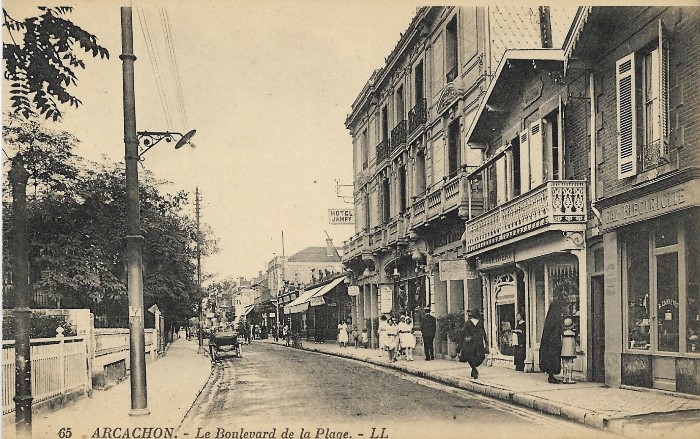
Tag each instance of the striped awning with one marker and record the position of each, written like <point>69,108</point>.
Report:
<point>301,303</point>
<point>326,288</point>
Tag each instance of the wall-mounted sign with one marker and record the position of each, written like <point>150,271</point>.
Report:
<point>659,203</point>
<point>496,259</point>
<point>386,298</point>
<point>453,269</point>
<point>353,290</point>
<point>341,216</point>
<point>317,301</point>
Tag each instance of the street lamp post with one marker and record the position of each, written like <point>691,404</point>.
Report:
<point>137,357</point>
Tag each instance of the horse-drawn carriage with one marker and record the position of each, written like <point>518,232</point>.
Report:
<point>223,342</point>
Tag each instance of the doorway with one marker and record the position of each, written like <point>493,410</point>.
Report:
<point>597,329</point>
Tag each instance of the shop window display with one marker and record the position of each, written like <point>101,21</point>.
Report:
<point>564,283</point>
<point>692,237</point>
<point>638,291</point>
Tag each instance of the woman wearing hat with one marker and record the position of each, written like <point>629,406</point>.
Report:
<point>392,338</point>
<point>406,338</point>
<point>382,334</point>
<point>473,344</point>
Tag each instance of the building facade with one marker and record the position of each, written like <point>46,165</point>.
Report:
<point>645,157</point>
<point>568,169</point>
<point>411,157</point>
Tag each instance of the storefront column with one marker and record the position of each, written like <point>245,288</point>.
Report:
<point>583,307</point>
<point>440,297</point>
<point>613,314</point>
<point>374,313</point>
<point>361,309</point>
<point>529,321</point>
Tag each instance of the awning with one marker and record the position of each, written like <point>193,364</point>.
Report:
<point>317,299</point>
<point>301,303</point>
<point>248,309</point>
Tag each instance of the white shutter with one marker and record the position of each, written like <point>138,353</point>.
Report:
<point>561,143</point>
<point>536,154</point>
<point>663,89</point>
<point>626,117</point>
<point>501,181</point>
<point>524,162</point>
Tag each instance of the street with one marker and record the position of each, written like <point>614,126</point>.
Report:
<point>328,398</point>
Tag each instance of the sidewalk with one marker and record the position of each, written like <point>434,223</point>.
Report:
<point>174,381</point>
<point>614,409</point>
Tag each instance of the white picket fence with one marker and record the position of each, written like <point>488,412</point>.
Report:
<point>59,367</point>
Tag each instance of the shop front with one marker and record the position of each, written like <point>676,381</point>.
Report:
<point>520,280</point>
<point>655,239</point>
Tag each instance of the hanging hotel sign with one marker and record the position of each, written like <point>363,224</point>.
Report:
<point>353,290</point>
<point>656,204</point>
<point>341,216</point>
<point>386,297</point>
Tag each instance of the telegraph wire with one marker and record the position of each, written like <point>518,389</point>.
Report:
<point>174,66</point>
<point>155,66</point>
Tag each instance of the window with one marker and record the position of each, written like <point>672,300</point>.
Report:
<point>643,75</point>
<point>403,193</point>
<point>419,180</point>
<point>451,50</point>
<point>418,83</point>
<point>386,200</point>
<point>385,124</point>
<point>400,107</point>
<point>364,145</point>
<point>367,211</point>
<point>491,187</point>
<point>454,148</point>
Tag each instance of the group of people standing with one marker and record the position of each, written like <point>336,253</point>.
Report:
<point>396,337</point>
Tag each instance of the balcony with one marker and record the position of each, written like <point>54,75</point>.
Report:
<point>554,203</point>
<point>418,116</point>
<point>382,151</point>
<point>398,136</point>
<point>652,156</point>
<point>352,248</point>
<point>437,201</point>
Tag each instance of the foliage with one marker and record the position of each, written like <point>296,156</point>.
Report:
<point>40,326</point>
<point>77,251</point>
<point>450,325</point>
<point>41,65</point>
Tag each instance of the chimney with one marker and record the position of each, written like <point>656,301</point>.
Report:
<point>545,27</point>
<point>330,250</point>
<point>241,281</point>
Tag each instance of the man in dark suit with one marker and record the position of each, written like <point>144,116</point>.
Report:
<point>428,327</point>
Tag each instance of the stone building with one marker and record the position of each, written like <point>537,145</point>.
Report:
<point>411,157</point>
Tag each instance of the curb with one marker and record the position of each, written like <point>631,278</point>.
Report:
<point>572,413</point>
<point>196,397</point>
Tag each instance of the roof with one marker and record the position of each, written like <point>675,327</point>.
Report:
<point>500,91</point>
<point>313,254</point>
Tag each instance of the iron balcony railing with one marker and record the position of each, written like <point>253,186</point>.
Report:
<point>398,135</point>
<point>382,150</point>
<point>418,115</point>
<point>653,155</point>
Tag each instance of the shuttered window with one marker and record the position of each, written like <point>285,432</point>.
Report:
<point>626,119</point>
<point>524,162</point>
<point>652,148</point>
<point>536,154</point>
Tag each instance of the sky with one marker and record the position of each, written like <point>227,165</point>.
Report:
<point>266,84</point>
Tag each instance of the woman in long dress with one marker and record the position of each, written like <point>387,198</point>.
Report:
<point>550,344</point>
<point>342,334</point>
<point>392,340</point>
<point>472,349</point>
<point>406,337</point>
<point>382,334</point>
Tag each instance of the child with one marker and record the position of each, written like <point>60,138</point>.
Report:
<point>355,336</point>
<point>365,338</point>
<point>568,350</point>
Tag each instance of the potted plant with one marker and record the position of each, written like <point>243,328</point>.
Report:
<point>454,324</point>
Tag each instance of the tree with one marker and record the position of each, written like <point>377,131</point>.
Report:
<point>40,66</point>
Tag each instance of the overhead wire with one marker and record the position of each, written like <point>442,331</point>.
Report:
<point>151,48</point>
<point>165,19</point>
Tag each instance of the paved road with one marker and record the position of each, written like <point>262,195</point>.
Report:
<point>273,387</point>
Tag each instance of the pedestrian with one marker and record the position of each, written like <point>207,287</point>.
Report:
<point>365,338</point>
<point>550,344</point>
<point>428,327</point>
<point>406,338</point>
<point>342,334</point>
<point>392,339</point>
<point>568,350</point>
<point>472,348</point>
<point>519,342</point>
<point>383,324</point>
<point>355,336</point>
<point>285,331</point>
<point>348,328</point>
